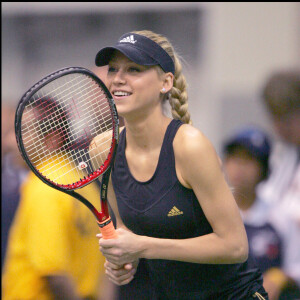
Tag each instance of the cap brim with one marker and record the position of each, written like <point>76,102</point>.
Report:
<point>139,57</point>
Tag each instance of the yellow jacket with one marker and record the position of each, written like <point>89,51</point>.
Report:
<point>52,233</point>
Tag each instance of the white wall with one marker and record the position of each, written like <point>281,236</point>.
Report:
<point>251,39</point>
<point>245,43</point>
<point>241,44</point>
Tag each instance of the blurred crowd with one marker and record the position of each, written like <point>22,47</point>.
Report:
<point>265,178</point>
<point>52,238</point>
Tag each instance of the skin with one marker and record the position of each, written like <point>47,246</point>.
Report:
<point>197,168</point>
<point>287,126</point>
<point>243,172</point>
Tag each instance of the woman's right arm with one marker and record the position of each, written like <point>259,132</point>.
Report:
<point>119,275</point>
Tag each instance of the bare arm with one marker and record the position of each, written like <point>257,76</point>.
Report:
<point>119,274</point>
<point>197,167</point>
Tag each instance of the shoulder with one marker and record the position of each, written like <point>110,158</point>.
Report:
<point>191,141</point>
<point>195,156</point>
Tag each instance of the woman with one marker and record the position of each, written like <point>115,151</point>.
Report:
<point>173,208</point>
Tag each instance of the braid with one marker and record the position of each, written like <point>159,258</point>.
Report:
<point>178,97</point>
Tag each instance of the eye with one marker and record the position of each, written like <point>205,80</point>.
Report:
<point>134,69</point>
<point>112,69</point>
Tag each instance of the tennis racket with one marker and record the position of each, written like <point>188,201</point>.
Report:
<point>67,131</point>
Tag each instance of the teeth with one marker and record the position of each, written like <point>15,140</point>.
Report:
<point>120,93</point>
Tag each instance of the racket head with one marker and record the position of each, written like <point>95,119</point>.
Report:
<point>55,122</point>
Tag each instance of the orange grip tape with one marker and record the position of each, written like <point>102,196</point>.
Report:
<point>108,231</point>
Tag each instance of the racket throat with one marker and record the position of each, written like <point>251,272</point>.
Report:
<point>102,216</point>
<point>104,223</point>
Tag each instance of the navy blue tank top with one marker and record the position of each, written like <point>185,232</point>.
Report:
<point>163,208</point>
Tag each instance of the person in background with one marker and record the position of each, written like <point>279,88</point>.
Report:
<point>52,252</point>
<point>13,173</point>
<point>281,97</point>
<point>246,165</point>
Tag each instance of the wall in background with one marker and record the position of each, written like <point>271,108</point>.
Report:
<point>229,48</point>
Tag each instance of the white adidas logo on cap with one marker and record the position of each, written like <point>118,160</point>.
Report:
<point>128,39</point>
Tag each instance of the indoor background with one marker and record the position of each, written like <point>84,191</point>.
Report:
<point>228,49</point>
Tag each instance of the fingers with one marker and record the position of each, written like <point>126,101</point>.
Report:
<point>116,256</point>
<point>119,275</point>
<point>128,266</point>
<point>108,264</point>
<point>119,281</point>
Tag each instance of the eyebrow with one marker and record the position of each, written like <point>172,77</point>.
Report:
<point>131,63</point>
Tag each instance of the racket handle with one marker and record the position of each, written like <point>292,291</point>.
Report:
<point>107,229</point>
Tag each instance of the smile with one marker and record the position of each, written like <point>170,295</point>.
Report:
<point>121,94</point>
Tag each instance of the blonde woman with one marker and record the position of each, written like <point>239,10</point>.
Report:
<point>174,210</point>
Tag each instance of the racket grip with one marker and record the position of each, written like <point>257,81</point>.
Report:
<point>107,229</point>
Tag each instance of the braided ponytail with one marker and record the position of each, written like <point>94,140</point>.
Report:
<point>178,97</point>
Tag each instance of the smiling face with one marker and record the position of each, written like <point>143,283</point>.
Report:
<point>136,89</point>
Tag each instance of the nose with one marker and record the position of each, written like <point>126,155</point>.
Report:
<point>119,77</point>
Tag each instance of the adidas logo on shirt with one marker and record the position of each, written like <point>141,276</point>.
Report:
<point>128,39</point>
<point>175,212</point>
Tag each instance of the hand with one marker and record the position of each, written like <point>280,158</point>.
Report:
<point>120,275</point>
<point>124,249</point>
<point>272,289</point>
<point>274,281</point>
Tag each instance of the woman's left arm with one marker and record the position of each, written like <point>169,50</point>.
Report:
<point>197,167</point>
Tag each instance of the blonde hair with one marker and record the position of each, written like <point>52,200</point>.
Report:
<point>178,97</point>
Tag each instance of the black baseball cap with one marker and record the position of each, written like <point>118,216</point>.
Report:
<point>140,50</point>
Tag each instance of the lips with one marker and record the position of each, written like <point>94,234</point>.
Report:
<point>121,93</point>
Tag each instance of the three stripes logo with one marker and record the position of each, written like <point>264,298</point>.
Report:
<point>128,39</point>
<point>174,212</point>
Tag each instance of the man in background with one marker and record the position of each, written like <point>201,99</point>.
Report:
<point>281,97</point>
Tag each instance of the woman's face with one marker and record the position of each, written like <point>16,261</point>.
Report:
<point>135,88</point>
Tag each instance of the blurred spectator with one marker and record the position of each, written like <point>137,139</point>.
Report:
<point>53,252</point>
<point>52,249</point>
<point>281,96</point>
<point>13,172</point>
<point>246,165</point>
<point>246,156</point>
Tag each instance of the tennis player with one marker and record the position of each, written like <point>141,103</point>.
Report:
<point>173,208</point>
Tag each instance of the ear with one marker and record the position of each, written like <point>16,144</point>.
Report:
<point>167,82</point>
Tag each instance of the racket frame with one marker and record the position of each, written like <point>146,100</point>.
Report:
<point>102,216</point>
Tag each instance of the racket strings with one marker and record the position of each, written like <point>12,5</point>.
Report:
<point>59,111</point>
<point>81,111</point>
<point>105,120</point>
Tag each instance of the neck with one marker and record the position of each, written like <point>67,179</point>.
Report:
<point>146,134</point>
